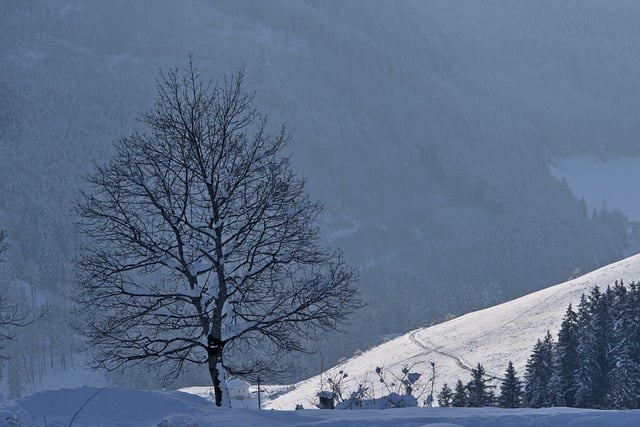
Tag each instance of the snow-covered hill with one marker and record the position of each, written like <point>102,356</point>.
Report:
<point>492,337</point>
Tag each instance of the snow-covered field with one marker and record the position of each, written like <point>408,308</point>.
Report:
<point>492,337</point>
<point>119,407</point>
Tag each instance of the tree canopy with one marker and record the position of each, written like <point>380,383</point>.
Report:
<point>204,246</point>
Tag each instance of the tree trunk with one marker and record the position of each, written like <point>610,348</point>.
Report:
<point>216,371</point>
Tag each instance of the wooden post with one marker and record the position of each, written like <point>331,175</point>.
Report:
<point>259,403</point>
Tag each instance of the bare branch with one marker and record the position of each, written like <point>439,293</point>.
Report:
<point>12,315</point>
<point>204,243</point>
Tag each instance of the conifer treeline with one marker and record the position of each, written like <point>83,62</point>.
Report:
<point>478,393</point>
<point>594,364</point>
<point>596,361</point>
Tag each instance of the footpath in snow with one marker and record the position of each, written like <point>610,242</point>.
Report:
<point>492,337</point>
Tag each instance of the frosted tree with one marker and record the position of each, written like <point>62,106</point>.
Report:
<point>510,389</point>
<point>624,377</point>
<point>7,311</point>
<point>12,314</point>
<point>538,375</point>
<point>445,396</point>
<point>203,245</point>
<point>565,361</point>
<point>460,398</point>
<point>595,332</point>
<point>477,393</point>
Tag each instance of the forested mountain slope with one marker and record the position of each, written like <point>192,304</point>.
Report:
<point>427,129</point>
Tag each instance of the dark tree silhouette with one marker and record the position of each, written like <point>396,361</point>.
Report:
<point>565,360</point>
<point>460,398</point>
<point>445,397</point>
<point>510,389</point>
<point>203,242</point>
<point>594,342</point>
<point>539,373</point>
<point>477,388</point>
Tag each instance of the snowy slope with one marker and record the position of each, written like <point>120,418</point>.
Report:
<point>492,337</point>
<point>134,408</point>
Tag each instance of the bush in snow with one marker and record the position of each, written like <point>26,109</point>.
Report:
<point>399,390</point>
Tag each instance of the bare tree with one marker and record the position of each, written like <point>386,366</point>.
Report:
<point>12,315</point>
<point>204,243</point>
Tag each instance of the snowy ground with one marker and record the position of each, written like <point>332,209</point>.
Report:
<point>492,337</point>
<point>267,393</point>
<point>119,407</point>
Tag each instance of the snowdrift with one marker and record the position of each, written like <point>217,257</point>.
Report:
<point>134,408</point>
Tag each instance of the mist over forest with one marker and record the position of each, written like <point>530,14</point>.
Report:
<point>426,129</point>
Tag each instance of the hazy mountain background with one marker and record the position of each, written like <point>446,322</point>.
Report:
<point>427,129</point>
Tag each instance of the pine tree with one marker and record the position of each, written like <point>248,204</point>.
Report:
<point>477,388</point>
<point>510,389</point>
<point>565,361</point>
<point>624,377</point>
<point>595,332</point>
<point>582,380</point>
<point>460,398</point>
<point>492,400</point>
<point>538,374</point>
<point>634,334</point>
<point>445,397</point>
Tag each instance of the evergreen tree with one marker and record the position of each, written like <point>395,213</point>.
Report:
<point>460,398</point>
<point>510,389</point>
<point>492,400</point>
<point>565,361</point>
<point>445,397</point>
<point>477,388</point>
<point>582,381</point>
<point>624,377</point>
<point>538,374</point>
<point>596,362</point>
<point>596,330</point>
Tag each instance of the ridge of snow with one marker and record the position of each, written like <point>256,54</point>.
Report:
<point>94,407</point>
